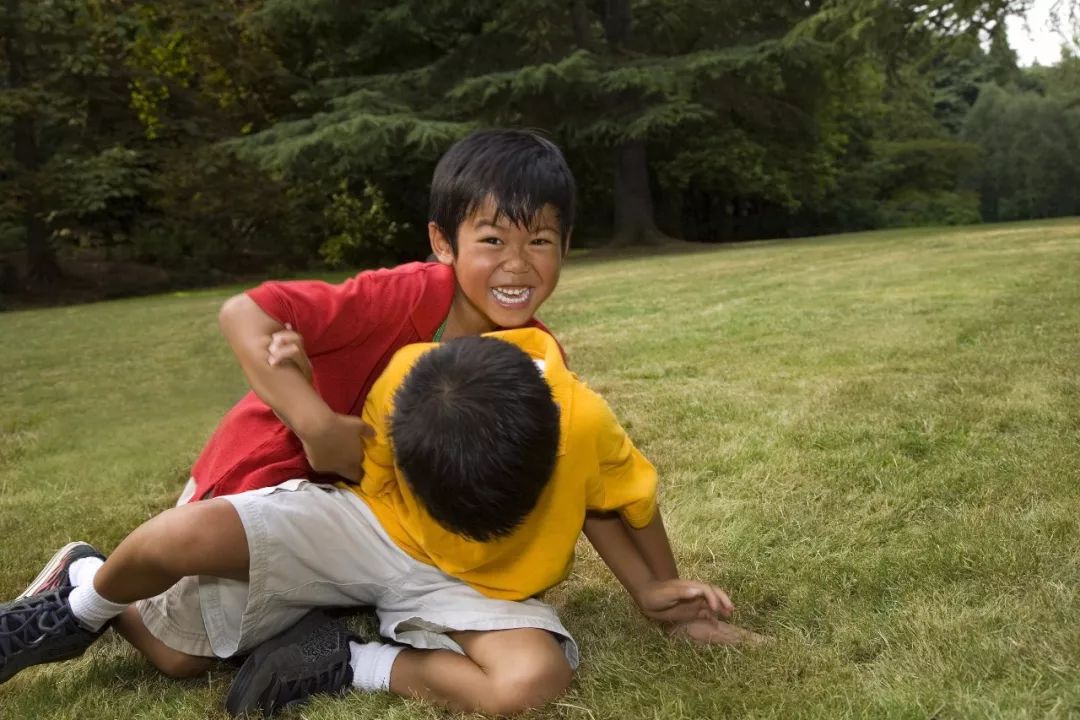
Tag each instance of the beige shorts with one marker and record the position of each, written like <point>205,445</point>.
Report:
<point>319,546</point>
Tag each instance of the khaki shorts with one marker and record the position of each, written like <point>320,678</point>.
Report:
<point>319,546</point>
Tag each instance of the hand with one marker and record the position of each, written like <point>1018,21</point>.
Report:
<point>336,446</point>
<point>287,347</point>
<point>680,601</point>
<point>710,631</point>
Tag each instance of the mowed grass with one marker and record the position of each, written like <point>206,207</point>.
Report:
<point>871,440</point>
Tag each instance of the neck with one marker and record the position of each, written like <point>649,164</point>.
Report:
<point>464,319</point>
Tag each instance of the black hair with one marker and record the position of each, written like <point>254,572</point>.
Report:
<point>475,432</point>
<point>519,170</point>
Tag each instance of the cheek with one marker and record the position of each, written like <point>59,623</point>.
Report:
<point>549,268</point>
<point>475,279</point>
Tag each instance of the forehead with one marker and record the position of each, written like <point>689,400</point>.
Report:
<point>486,214</point>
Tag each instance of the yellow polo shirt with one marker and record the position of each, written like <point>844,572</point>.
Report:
<point>597,468</point>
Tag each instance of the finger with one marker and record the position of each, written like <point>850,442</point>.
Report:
<point>711,599</point>
<point>288,337</point>
<point>727,608</point>
<point>280,351</point>
<point>678,594</point>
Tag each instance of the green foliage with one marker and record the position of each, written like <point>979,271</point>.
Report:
<point>1031,155</point>
<point>362,227</point>
<point>214,212</point>
<point>150,131</point>
<point>915,208</point>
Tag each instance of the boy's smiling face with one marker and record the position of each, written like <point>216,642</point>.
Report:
<point>504,272</point>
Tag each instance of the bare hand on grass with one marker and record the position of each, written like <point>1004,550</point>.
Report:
<point>669,601</point>
<point>710,631</point>
<point>692,610</point>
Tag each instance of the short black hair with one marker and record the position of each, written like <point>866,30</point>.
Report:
<point>518,169</point>
<point>475,432</point>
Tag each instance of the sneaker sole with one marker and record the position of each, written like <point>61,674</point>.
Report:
<point>7,672</point>
<point>245,694</point>
<point>49,572</point>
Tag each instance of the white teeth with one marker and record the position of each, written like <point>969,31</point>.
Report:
<point>512,295</point>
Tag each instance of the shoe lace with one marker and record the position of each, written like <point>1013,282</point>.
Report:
<point>28,620</point>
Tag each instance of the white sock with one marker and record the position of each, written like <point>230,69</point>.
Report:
<point>83,570</point>
<point>89,608</point>
<point>371,663</point>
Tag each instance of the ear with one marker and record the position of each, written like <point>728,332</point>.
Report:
<point>566,243</point>
<point>440,244</point>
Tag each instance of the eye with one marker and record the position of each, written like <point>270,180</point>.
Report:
<point>540,241</point>
<point>491,240</point>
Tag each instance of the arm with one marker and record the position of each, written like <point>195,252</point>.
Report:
<point>683,607</point>
<point>332,442</point>
<point>642,561</point>
<point>249,332</point>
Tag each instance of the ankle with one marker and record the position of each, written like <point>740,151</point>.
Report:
<point>371,664</point>
<point>90,608</point>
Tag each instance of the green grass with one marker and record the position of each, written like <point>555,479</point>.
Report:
<point>871,440</point>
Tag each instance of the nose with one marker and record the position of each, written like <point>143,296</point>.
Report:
<point>516,263</point>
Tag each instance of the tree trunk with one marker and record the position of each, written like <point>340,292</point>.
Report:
<point>635,220</point>
<point>41,263</point>
<point>579,17</point>
<point>617,19</point>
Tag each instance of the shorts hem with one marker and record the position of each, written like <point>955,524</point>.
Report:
<point>434,636</point>
<point>172,635</point>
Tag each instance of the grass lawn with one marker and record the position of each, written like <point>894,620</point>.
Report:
<point>871,440</point>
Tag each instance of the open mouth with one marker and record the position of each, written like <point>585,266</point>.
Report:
<point>511,297</point>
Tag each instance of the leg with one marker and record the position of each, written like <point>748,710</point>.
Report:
<point>503,672</point>
<point>204,538</point>
<point>171,663</point>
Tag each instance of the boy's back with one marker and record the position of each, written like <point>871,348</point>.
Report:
<point>597,468</point>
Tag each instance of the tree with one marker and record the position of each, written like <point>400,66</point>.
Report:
<point>1031,155</point>
<point>57,59</point>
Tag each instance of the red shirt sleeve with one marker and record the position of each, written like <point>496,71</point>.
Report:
<point>328,317</point>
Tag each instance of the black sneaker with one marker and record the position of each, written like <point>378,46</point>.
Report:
<point>54,575</point>
<point>310,658</point>
<point>40,629</point>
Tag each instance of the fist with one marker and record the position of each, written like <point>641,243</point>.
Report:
<point>287,347</point>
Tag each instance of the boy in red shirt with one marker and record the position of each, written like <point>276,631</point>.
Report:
<point>502,210</point>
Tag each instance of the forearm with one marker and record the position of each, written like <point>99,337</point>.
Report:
<point>652,543</point>
<point>634,555</point>
<point>609,536</point>
<point>284,388</point>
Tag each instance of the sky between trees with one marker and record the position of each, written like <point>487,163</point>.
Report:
<point>1038,41</point>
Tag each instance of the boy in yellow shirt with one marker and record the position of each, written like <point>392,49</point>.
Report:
<point>486,457</point>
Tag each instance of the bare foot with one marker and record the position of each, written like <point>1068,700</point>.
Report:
<point>710,631</point>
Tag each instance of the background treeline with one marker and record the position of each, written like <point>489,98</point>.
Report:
<point>206,138</point>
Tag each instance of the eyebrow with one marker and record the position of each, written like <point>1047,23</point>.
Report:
<point>491,223</point>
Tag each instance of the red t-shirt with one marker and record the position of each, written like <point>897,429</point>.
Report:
<point>350,333</point>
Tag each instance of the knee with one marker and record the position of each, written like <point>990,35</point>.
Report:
<point>179,666</point>
<point>194,539</point>
<point>528,685</point>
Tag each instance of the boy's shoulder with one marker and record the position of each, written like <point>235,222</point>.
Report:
<point>421,275</point>
<point>585,416</point>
